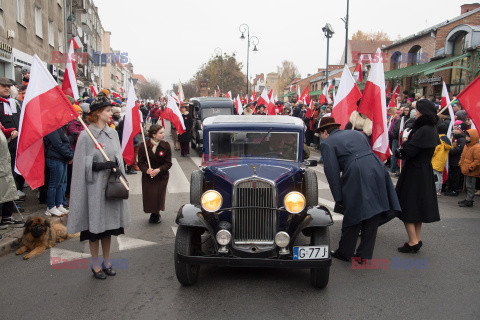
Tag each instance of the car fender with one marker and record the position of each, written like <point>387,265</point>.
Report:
<point>317,217</point>
<point>192,216</point>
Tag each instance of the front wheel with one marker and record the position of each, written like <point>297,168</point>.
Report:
<point>319,276</point>
<point>186,243</point>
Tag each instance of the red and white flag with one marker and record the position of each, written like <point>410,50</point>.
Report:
<point>238,105</point>
<point>263,99</point>
<point>77,43</point>
<point>172,113</point>
<point>116,95</point>
<point>324,96</point>
<point>373,105</point>
<point>181,95</point>
<point>131,126</point>
<point>388,91</point>
<point>298,93</point>
<point>45,109</point>
<point>305,97</point>
<point>359,69</point>
<point>254,96</point>
<point>271,104</point>
<point>94,90</point>
<point>229,95</point>
<point>245,100</point>
<point>393,99</point>
<point>292,87</point>
<point>444,102</point>
<point>346,99</point>
<point>69,85</point>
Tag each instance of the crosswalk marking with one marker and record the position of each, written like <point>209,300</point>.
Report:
<point>197,161</point>
<point>135,183</point>
<point>174,229</point>
<point>178,182</point>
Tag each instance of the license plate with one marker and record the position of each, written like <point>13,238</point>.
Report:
<point>310,253</point>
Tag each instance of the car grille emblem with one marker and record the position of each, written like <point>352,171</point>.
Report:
<point>254,169</point>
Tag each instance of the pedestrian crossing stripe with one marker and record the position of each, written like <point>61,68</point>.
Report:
<point>178,182</point>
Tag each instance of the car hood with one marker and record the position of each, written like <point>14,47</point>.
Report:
<point>273,170</point>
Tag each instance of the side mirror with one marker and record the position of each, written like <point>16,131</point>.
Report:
<point>310,163</point>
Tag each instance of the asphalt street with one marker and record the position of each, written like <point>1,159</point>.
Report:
<point>442,281</point>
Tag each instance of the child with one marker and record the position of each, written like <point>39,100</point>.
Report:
<point>455,177</point>
<point>470,165</point>
<point>440,156</point>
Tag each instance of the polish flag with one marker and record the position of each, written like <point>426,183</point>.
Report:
<point>263,99</point>
<point>69,85</point>
<point>292,88</point>
<point>181,95</point>
<point>373,105</point>
<point>45,109</point>
<point>305,97</point>
<point>324,96</point>
<point>94,90</point>
<point>469,98</point>
<point>245,100</point>
<point>229,95</point>
<point>359,69</point>
<point>346,99</point>
<point>238,105</point>
<point>444,102</point>
<point>395,95</point>
<point>254,96</point>
<point>116,95</point>
<point>131,126</point>
<point>271,104</point>
<point>298,93</point>
<point>77,43</point>
<point>172,113</point>
<point>389,89</point>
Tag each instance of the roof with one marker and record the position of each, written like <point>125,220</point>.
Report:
<point>367,46</point>
<point>217,102</point>
<point>241,119</point>
<point>140,77</point>
<point>424,68</point>
<point>433,28</point>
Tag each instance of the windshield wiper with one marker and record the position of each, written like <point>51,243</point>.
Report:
<point>266,135</point>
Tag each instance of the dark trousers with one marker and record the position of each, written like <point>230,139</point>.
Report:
<point>185,148</point>
<point>348,240</point>
<point>455,178</point>
<point>7,209</point>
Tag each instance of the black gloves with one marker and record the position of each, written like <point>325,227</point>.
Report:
<point>339,208</point>
<point>99,166</point>
<point>398,154</point>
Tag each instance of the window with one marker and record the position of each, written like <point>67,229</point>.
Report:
<point>38,22</point>
<point>396,60</point>
<point>60,3</point>
<point>60,41</point>
<point>458,76</point>
<point>51,34</point>
<point>21,11</point>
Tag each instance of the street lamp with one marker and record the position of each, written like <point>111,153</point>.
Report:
<point>345,20</point>
<point>250,41</point>
<point>219,55</point>
<point>328,31</point>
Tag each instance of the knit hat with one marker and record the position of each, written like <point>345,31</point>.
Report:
<point>77,108</point>
<point>85,107</point>
<point>100,101</point>
<point>72,100</point>
<point>426,107</point>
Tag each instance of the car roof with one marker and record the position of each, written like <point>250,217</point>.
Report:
<point>254,119</point>
<point>212,102</point>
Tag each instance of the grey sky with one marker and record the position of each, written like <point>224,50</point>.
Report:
<point>169,40</point>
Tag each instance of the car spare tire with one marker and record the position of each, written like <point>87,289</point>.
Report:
<point>196,187</point>
<point>310,184</point>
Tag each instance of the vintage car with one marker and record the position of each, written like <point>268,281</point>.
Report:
<point>254,203</point>
<point>204,107</point>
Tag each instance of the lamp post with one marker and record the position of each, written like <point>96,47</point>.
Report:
<point>345,20</point>
<point>328,31</point>
<point>250,40</point>
<point>219,55</point>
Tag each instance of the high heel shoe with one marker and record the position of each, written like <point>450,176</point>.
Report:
<point>409,249</point>
<point>99,274</point>
<point>108,271</point>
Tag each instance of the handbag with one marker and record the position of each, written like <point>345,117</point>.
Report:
<point>115,190</point>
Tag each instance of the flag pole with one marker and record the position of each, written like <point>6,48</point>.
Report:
<point>448,105</point>
<point>101,150</point>
<point>146,151</point>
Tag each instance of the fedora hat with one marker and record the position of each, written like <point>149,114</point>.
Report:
<point>326,122</point>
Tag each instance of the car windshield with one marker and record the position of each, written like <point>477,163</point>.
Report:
<point>210,112</point>
<point>242,144</point>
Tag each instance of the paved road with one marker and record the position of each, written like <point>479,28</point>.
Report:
<point>442,281</point>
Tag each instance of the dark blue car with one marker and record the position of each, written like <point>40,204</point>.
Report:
<point>254,203</point>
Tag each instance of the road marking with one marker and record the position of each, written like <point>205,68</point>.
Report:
<point>330,205</point>
<point>174,229</point>
<point>322,185</point>
<point>197,161</point>
<point>126,243</point>
<point>179,182</point>
<point>58,256</point>
<point>135,183</point>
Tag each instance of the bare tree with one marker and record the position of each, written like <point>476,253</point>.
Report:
<point>287,72</point>
<point>150,90</point>
<point>190,89</point>
<point>374,36</point>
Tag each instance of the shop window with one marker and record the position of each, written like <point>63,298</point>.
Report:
<point>21,11</point>
<point>38,22</point>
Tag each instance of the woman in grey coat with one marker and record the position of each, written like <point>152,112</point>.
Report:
<point>91,214</point>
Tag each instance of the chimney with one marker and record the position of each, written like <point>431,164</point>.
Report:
<point>469,7</point>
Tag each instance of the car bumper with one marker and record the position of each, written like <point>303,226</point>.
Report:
<point>254,262</point>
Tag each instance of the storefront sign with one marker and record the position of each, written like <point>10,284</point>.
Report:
<point>431,81</point>
<point>5,52</point>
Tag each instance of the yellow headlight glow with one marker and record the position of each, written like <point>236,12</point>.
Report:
<point>211,201</point>
<point>294,202</point>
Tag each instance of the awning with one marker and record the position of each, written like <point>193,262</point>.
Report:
<point>422,69</point>
<point>290,94</point>
<point>316,93</point>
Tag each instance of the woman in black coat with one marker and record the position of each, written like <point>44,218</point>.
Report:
<point>185,137</point>
<point>416,184</point>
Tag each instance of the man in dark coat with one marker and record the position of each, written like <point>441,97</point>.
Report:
<point>186,137</point>
<point>361,187</point>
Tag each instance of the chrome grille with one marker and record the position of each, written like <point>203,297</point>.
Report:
<point>253,225</point>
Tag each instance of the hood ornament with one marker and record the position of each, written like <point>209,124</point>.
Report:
<point>254,169</point>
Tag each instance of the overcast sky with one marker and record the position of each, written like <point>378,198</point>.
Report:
<point>169,40</point>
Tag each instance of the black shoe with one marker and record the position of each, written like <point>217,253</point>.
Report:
<point>465,203</point>
<point>10,221</point>
<point>339,256</point>
<point>409,249</point>
<point>99,274</point>
<point>420,243</point>
<point>451,193</point>
<point>155,218</point>
<point>108,271</point>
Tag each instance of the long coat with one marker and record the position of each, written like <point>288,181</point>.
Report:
<point>416,184</point>
<point>470,159</point>
<point>89,209</point>
<point>154,190</point>
<point>358,178</point>
<point>8,189</point>
<point>187,135</point>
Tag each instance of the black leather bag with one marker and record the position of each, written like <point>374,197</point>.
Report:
<point>115,190</point>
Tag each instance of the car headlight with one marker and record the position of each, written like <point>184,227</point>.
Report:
<point>211,200</point>
<point>223,237</point>
<point>294,202</point>
<point>282,239</point>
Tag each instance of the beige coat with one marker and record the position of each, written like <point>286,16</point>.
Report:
<point>8,190</point>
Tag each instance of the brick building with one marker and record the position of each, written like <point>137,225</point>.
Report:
<point>446,52</point>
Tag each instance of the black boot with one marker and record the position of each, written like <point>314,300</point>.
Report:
<point>155,218</point>
<point>409,249</point>
<point>465,203</point>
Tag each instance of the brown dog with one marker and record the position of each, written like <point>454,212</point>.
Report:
<point>40,234</point>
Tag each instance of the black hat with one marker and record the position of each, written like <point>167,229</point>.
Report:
<point>100,101</point>
<point>326,122</point>
<point>426,107</point>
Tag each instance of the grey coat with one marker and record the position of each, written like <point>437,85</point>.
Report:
<point>358,178</point>
<point>89,209</point>
<point>8,189</point>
